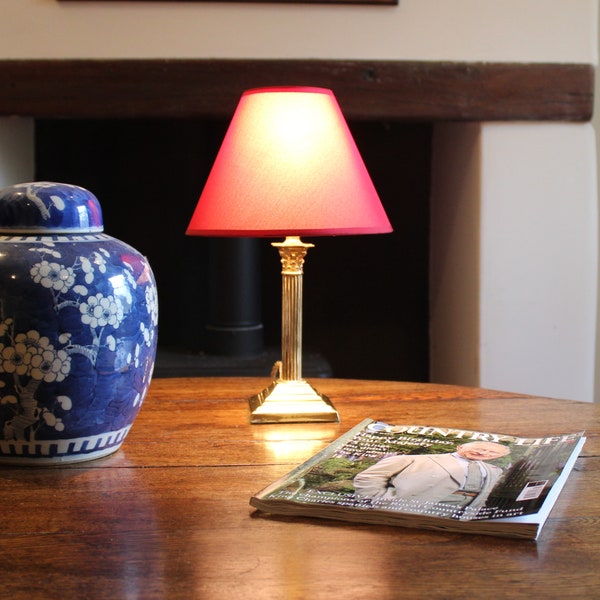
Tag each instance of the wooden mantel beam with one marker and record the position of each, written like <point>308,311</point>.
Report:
<point>396,90</point>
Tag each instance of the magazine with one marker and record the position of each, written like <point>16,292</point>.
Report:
<point>430,477</point>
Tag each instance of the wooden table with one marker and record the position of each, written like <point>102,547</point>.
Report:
<point>168,517</point>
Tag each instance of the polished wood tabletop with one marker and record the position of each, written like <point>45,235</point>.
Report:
<point>167,516</point>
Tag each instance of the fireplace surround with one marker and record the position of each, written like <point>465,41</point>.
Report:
<point>432,97</point>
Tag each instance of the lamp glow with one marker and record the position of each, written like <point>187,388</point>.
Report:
<point>288,166</point>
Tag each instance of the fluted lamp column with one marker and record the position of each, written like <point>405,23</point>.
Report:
<point>290,397</point>
<point>288,167</point>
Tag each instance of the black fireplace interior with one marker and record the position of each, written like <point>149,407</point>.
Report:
<point>365,305</point>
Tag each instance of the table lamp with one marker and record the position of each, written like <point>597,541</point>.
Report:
<point>288,167</point>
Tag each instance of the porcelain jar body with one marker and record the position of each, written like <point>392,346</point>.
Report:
<point>78,327</point>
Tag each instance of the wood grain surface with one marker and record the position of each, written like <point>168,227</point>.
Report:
<point>365,89</point>
<point>167,516</point>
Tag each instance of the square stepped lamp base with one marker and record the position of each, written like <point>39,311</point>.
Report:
<point>291,402</point>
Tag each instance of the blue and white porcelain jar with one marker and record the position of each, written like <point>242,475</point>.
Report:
<point>78,327</point>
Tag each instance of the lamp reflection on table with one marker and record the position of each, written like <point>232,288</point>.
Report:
<point>287,442</point>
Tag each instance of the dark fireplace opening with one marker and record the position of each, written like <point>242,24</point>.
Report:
<point>365,297</point>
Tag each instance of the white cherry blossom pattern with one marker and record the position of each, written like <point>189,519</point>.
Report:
<point>32,355</point>
<point>53,275</point>
<point>97,261</point>
<point>50,365</point>
<point>104,310</point>
<point>152,304</point>
<point>100,311</point>
<point>14,359</point>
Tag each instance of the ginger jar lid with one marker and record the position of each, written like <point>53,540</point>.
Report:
<point>44,207</point>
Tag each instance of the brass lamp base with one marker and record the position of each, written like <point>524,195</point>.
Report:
<point>291,402</point>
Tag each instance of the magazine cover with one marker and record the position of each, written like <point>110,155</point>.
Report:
<point>424,476</point>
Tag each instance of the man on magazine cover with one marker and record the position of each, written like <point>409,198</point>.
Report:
<point>461,478</point>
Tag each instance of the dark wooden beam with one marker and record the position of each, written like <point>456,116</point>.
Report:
<point>181,88</point>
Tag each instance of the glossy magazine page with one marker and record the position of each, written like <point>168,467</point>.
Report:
<point>430,477</point>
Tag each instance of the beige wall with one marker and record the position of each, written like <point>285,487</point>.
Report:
<point>488,30</point>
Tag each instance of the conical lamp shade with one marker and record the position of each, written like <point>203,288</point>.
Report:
<point>288,165</point>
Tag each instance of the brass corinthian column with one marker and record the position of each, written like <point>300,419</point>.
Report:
<point>289,398</point>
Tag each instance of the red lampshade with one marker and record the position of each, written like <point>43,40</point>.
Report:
<point>288,166</point>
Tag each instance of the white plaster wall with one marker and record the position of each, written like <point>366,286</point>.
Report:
<point>487,30</point>
<point>539,222</point>
<point>16,150</point>
<point>514,257</point>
